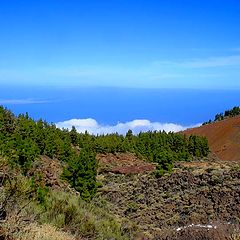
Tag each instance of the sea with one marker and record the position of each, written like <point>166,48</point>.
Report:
<point>109,106</point>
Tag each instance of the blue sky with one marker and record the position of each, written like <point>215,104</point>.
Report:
<point>121,43</point>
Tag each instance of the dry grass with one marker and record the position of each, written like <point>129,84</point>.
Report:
<point>236,236</point>
<point>44,232</point>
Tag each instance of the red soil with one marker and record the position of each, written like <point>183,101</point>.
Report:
<point>223,138</point>
<point>123,163</point>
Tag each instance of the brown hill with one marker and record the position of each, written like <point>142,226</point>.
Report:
<point>223,138</point>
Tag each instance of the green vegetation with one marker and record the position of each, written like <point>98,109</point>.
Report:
<point>23,140</point>
<point>81,173</point>
<point>28,205</point>
<point>28,211</point>
<point>235,111</point>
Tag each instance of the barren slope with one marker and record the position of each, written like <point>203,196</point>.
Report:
<point>223,137</point>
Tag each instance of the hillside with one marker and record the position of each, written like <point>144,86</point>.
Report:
<point>195,194</point>
<point>223,137</point>
<point>59,184</point>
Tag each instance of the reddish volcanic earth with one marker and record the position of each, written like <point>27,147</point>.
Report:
<point>223,138</point>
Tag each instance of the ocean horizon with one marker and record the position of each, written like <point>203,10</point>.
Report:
<point>112,106</point>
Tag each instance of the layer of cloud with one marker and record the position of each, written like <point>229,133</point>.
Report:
<point>138,125</point>
<point>215,71</point>
<point>21,101</point>
<point>210,62</point>
<point>214,62</point>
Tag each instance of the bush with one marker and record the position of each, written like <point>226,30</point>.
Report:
<point>82,219</point>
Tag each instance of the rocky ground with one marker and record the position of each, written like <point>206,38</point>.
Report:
<point>204,193</point>
<point>123,163</point>
<point>200,200</point>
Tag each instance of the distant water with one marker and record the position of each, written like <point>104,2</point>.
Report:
<point>113,105</point>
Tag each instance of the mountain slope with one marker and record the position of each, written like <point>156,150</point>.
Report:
<point>223,137</point>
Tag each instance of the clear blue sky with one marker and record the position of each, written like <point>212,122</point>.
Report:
<point>121,43</point>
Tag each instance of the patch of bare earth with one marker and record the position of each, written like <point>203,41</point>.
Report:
<point>123,163</point>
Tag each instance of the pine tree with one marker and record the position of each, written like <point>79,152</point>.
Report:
<point>81,173</point>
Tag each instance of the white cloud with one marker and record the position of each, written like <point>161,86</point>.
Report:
<point>21,101</point>
<point>138,125</point>
<point>214,62</point>
<point>210,62</point>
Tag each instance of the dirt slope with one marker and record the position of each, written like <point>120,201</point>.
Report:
<point>223,138</point>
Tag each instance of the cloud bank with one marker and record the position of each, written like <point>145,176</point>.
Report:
<point>21,101</point>
<point>138,125</point>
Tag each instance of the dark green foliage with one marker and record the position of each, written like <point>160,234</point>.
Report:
<point>42,193</point>
<point>27,152</point>
<point>7,121</point>
<point>219,117</point>
<point>165,160</point>
<point>166,148</point>
<point>81,173</point>
<point>232,112</point>
<point>109,143</point>
<point>73,136</point>
<point>208,122</point>
<point>235,111</point>
<point>198,146</point>
<point>23,140</point>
